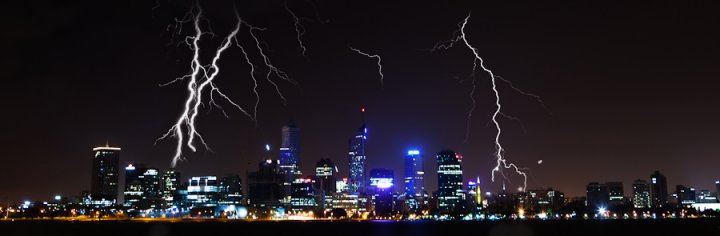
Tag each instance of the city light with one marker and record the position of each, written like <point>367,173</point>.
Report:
<point>413,152</point>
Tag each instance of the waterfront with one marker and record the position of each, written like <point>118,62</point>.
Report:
<point>705,226</point>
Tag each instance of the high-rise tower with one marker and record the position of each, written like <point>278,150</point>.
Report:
<point>357,159</point>
<point>105,167</point>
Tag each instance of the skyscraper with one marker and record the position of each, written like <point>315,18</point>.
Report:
<point>597,195</point>
<point>357,160</point>
<point>641,194</point>
<point>133,185</point>
<point>325,173</point>
<point>290,152</point>
<point>382,182</point>
<point>266,186</point>
<point>450,184</point>
<point>659,190</point>
<point>170,185</point>
<point>104,179</point>
<point>414,175</point>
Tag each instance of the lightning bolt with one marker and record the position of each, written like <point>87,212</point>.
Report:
<point>201,81</point>
<point>379,62</point>
<point>459,36</point>
<point>299,28</point>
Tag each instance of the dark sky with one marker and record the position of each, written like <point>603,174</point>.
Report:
<point>630,88</point>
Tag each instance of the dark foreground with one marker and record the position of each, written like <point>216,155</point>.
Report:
<point>705,226</point>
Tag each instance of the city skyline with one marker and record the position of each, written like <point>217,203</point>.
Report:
<point>628,90</point>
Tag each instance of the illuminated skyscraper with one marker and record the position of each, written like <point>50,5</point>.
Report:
<point>641,194</point>
<point>325,174</point>
<point>133,185</point>
<point>659,190</point>
<point>290,152</point>
<point>357,160</point>
<point>414,174</point>
<point>382,182</point>
<point>104,180</point>
<point>450,183</point>
<point>170,185</point>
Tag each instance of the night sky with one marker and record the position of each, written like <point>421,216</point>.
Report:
<point>629,87</point>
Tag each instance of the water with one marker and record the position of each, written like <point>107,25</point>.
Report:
<point>701,227</point>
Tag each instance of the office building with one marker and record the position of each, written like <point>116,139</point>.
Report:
<point>267,185</point>
<point>382,182</point>
<point>598,195</point>
<point>414,179</point>
<point>357,160</point>
<point>658,188</point>
<point>230,190</point>
<point>203,191</point>
<point>170,185</point>
<point>450,183</point>
<point>290,154</point>
<point>105,174</point>
<point>302,196</point>
<point>641,194</point>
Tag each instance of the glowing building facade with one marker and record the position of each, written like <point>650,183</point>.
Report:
<point>203,191</point>
<point>357,160</point>
<point>381,186</point>
<point>414,179</point>
<point>641,194</point>
<point>450,184</point>
<point>170,185</point>
<point>290,153</point>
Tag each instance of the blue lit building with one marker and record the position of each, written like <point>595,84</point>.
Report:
<point>290,152</point>
<point>381,184</point>
<point>357,160</point>
<point>450,182</point>
<point>414,179</point>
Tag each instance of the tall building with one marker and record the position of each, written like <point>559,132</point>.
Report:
<point>450,183</point>
<point>597,195</point>
<point>170,185</point>
<point>414,175</point>
<point>267,185</point>
<point>230,188</point>
<point>717,187</point>
<point>357,160</point>
<point>133,185</point>
<point>685,195</point>
<point>382,182</point>
<point>641,194</point>
<point>290,152</point>
<point>302,196</point>
<point>659,190</point>
<point>105,174</point>
<point>203,191</point>
<point>325,182</point>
